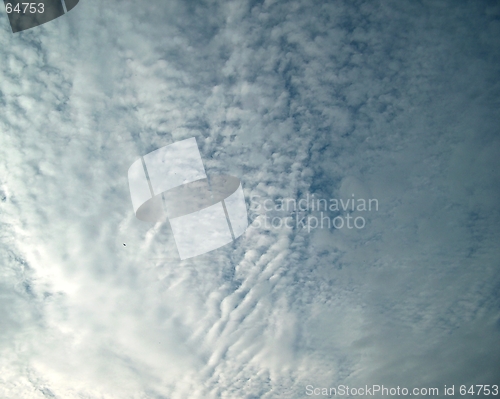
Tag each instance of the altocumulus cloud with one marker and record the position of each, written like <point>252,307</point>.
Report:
<point>387,100</point>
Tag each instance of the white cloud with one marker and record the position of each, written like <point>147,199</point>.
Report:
<point>395,102</point>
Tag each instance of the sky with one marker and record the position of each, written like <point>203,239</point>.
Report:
<point>396,101</point>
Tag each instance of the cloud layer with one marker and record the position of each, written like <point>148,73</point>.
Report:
<point>385,100</point>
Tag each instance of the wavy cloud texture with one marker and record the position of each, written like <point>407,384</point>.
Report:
<point>388,100</point>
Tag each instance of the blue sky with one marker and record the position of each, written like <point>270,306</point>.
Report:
<point>397,101</point>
